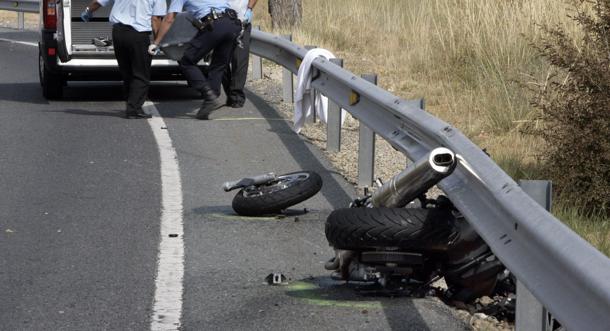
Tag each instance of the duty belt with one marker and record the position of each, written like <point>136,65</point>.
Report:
<point>207,21</point>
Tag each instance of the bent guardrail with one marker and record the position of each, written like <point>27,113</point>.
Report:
<point>563,271</point>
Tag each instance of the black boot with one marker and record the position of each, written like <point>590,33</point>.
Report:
<point>211,102</point>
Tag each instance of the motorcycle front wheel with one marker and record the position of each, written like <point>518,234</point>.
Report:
<point>273,197</point>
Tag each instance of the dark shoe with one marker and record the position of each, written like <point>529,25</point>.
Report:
<point>137,115</point>
<point>207,107</point>
<point>235,104</point>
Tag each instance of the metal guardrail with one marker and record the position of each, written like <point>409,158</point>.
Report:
<point>20,6</point>
<point>25,6</point>
<point>569,276</point>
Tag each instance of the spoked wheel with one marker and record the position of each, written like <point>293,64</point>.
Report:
<point>273,197</point>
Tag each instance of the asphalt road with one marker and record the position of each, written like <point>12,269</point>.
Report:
<point>80,210</point>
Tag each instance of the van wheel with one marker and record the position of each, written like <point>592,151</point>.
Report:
<point>52,84</point>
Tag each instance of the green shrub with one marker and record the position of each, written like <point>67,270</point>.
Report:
<point>574,107</point>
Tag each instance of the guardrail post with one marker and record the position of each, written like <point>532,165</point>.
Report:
<point>287,84</point>
<point>530,314</point>
<point>314,116</point>
<point>20,21</point>
<point>366,148</point>
<point>257,63</point>
<point>333,125</point>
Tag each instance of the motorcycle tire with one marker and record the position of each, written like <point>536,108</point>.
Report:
<point>381,228</point>
<point>274,197</point>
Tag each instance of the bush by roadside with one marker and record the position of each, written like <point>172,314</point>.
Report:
<point>573,117</point>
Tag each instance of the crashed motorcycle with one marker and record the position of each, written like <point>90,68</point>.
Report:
<point>400,241</point>
<point>270,194</point>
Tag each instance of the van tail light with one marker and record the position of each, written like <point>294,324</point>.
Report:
<point>49,16</point>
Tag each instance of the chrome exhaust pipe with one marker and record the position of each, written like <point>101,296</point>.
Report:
<point>416,179</point>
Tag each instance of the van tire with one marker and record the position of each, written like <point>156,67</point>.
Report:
<point>52,84</point>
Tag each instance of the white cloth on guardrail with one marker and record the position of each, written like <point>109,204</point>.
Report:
<point>305,98</point>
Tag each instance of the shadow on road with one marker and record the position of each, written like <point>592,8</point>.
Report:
<point>113,91</point>
<point>111,113</point>
<point>22,92</point>
<point>332,190</point>
<point>31,92</point>
<point>400,312</point>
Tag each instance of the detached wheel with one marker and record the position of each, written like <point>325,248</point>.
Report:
<point>373,228</point>
<point>287,190</point>
<point>52,84</point>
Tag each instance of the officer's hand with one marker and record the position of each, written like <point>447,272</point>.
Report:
<point>86,15</point>
<point>153,49</point>
<point>248,16</point>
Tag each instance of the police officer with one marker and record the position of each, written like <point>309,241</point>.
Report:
<point>235,76</point>
<point>133,21</point>
<point>218,29</point>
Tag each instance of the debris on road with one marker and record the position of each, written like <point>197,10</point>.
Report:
<point>487,313</point>
<point>275,279</point>
<point>268,194</point>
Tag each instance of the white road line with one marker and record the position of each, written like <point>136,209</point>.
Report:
<point>167,307</point>
<point>19,42</point>
<point>248,119</point>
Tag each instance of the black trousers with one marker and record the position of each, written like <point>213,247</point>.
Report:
<point>131,51</point>
<point>221,40</point>
<point>235,76</point>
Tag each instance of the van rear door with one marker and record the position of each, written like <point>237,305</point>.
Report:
<point>63,29</point>
<point>75,37</point>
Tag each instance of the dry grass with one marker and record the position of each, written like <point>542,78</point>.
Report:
<point>470,59</point>
<point>594,228</point>
<point>465,57</point>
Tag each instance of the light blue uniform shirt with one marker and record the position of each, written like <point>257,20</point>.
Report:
<point>198,8</point>
<point>136,13</point>
<point>240,6</point>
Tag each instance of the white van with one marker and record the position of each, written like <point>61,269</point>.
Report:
<point>67,51</point>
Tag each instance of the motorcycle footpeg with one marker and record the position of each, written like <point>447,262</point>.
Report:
<point>332,264</point>
<point>248,181</point>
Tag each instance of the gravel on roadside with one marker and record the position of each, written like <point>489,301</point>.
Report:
<point>388,161</point>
